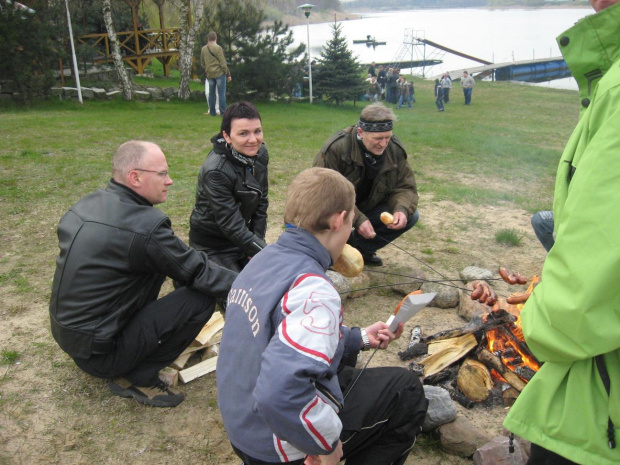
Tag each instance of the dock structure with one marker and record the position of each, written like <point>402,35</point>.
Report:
<point>536,70</point>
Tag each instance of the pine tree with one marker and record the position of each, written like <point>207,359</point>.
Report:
<point>338,77</point>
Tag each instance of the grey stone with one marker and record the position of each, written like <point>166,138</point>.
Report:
<point>471,273</point>
<point>496,452</point>
<point>168,92</point>
<point>57,91</point>
<point>197,95</point>
<point>461,437</point>
<point>447,296</point>
<point>402,279</point>
<point>342,285</point>
<point>87,93</point>
<point>115,94</point>
<point>470,309</point>
<point>70,92</point>
<point>156,92</point>
<point>142,95</point>
<point>99,93</point>
<point>359,285</point>
<point>441,408</point>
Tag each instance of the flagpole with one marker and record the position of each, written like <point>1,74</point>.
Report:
<point>75,67</point>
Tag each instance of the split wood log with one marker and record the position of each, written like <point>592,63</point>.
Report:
<point>198,370</point>
<point>492,320</point>
<point>448,352</point>
<point>474,380</point>
<point>510,396</point>
<point>169,376</point>
<point>215,324</point>
<point>492,361</point>
<point>181,361</point>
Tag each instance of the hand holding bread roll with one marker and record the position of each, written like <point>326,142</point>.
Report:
<point>386,218</point>
<point>350,263</point>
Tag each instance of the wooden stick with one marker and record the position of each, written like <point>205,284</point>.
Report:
<point>198,370</point>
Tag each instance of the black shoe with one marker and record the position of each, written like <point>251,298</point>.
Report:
<point>372,260</point>
<point>158,395</point>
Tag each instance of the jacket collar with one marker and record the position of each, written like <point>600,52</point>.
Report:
<point>591,46</point>
<point>304,242</point>
<point>127,193</point>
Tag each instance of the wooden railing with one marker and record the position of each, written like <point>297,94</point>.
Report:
<point>138,47</point>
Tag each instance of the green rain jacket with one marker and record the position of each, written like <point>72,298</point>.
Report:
<point>574,313</point>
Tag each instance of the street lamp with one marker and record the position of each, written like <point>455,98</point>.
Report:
<point>306,7</point>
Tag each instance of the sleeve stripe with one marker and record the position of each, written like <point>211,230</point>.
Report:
<point>301,348</point>
<point>282,452</point>
<point>312,428</point>
<point>295,284</point>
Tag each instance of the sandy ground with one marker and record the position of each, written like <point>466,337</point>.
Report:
<point>51,412</point>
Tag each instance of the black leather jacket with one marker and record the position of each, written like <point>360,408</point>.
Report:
<point>115,252</point>
<point>231,202</point>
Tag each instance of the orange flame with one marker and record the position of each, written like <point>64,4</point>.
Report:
<point>508,342</point>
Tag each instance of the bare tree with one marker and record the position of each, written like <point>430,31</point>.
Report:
<point>123,77</point>
<point>189,28</point>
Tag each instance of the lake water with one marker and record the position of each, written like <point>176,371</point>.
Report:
<point>498,36</point>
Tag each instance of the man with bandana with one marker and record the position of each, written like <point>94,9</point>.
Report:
<point>375,161</point>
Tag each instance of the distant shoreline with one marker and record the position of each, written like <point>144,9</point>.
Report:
<point>317,17</point>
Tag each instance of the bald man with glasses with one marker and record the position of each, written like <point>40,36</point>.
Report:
<point>116,251</point>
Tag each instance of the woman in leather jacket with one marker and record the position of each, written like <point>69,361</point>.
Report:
<point>229,219</point>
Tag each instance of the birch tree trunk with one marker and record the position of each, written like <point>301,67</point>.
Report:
<point>123,77</point>
<point>187,40</point>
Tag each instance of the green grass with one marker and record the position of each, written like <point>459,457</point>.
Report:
<point>8,357</point>
<point>501,150</point>
<point>510,237</point>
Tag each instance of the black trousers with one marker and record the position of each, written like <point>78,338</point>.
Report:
<point>384,234</point>
<point>541,456</point>
<point>153,338</point>
<point>231,257</point>
<point>383,413</point>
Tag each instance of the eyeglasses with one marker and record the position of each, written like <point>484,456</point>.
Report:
<point>163,174</point>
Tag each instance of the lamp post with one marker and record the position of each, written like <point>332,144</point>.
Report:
<point>306,7</point>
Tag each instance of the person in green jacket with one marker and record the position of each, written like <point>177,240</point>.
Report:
<point>570,410</point>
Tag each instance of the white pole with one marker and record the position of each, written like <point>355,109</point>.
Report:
<point>309,59</point>
<point>75,68</point>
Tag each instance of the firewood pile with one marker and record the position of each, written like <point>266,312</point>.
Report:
<point>487,360</point>
<point>204,349</point>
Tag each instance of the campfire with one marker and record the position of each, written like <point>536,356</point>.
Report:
<point>485,360</point>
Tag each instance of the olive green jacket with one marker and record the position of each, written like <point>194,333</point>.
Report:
<point>394,185</point>
<point>213,61</point>
<point>574,313</point>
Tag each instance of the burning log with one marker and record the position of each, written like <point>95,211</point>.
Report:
<point>474,380</point>
<point>447,351</point>
<point>492,320</point>
<point>492,361</point>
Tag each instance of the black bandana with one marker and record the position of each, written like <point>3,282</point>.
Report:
<point>375,126</point>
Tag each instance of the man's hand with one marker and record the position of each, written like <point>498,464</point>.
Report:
<point>331,459</point>
<point>229,78</point>
<point>366,230</point>
<point>400,221</point>
<point>380,335</point>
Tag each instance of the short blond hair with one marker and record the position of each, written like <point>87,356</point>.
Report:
<point>377,112</point>
<point>315,195</point>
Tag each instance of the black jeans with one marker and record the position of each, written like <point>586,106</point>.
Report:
<point>383,413</point>
<point>384,234</point>
<point>153,338</point>
<point>541,456</point>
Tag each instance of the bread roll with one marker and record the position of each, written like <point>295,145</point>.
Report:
<point>386,218</point>
<point>350,263</point>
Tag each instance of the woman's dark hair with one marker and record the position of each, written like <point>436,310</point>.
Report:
<point>238,110</point>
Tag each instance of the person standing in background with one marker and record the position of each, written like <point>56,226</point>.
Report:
<point>216,69</point>
<point>468,83</point>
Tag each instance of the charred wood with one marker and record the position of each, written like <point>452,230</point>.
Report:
<point>478,325</point>
<point>413,351</point>
<point>492,361</point>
